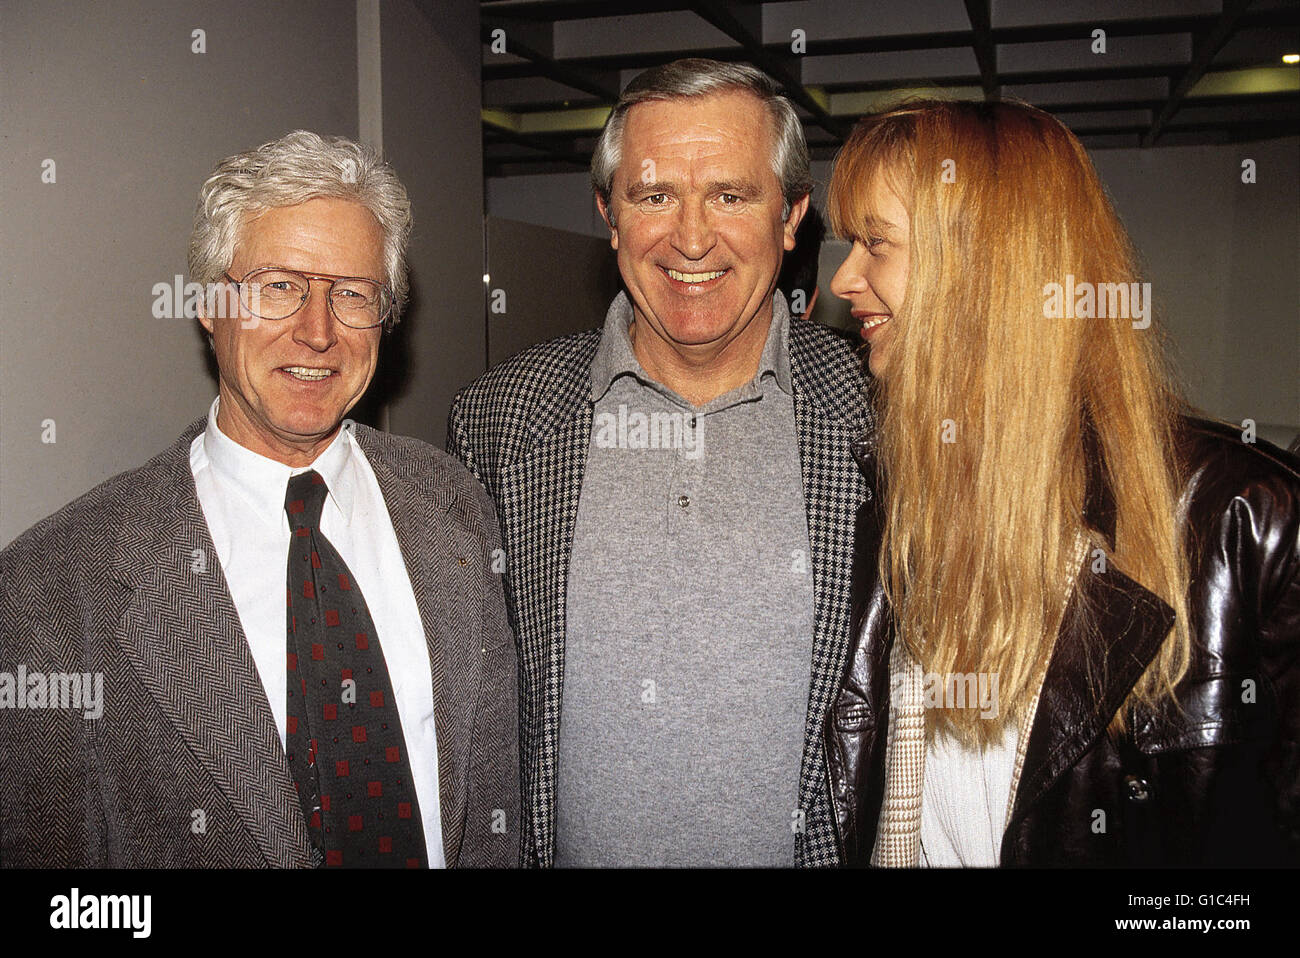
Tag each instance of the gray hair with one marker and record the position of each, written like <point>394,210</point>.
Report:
<point>298,167</point>
<point>699,77</point>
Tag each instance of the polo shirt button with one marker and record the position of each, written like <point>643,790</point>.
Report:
<point>683,501</point>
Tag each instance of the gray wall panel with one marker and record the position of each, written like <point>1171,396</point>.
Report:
<point>432,136</point>
<point>134,121</point>
<point>555,282</point>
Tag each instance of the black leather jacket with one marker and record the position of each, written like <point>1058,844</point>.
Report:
<point>1217,783</point>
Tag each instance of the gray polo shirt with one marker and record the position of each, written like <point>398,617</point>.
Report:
<point>688,639</point>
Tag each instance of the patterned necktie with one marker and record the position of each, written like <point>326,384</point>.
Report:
<point>344,738</point>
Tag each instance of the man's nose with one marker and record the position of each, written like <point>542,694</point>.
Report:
<point>694,235</point>
<point>314,324</point>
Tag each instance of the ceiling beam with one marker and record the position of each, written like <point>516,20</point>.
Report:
<point>722,14</point>
<point>589,120</point>
<point>545,65</point>
<point>547,150</point>
<point>986,54</point>
<point>560,131</point>
<point>1203,54</point>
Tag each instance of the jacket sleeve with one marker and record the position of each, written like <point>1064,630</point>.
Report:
<point>51,815</point>
<point>1244,520</point>
<point>1277,523</point>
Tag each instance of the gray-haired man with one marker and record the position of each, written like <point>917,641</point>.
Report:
<point>303,652</point>
<point>677,499</point>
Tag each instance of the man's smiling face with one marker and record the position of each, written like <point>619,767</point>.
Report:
<point>286,384</point>
<point>696,217</point>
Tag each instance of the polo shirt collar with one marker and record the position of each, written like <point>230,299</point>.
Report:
<point>615,356</point>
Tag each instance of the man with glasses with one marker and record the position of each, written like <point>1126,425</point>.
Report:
<point>301,647</point>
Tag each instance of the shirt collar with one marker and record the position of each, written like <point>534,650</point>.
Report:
<point>263,481</point>
<point>615,356</point>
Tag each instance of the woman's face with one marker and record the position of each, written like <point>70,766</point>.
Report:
<point>874,277</point>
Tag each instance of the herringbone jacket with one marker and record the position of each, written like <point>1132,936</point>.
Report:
<point>185,766</point>
<point>524,430</point>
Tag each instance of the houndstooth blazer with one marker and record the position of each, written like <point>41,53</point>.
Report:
<point>524,429</point>
<point>185,766</point>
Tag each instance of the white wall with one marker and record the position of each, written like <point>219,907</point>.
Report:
<point>1223,258</point>
<point>133,121</point>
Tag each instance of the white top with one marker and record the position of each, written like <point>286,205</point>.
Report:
<point>964,803</point>
<point>242,496</point>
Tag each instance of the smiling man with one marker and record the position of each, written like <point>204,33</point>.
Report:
<point>304,650</point>
<point>681,594</point>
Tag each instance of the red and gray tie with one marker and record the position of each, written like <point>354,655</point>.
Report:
<point>345,744</point>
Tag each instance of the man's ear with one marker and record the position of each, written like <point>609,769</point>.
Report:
<point>605,215</point>
<point>204,319</point>
<point>797,211</point>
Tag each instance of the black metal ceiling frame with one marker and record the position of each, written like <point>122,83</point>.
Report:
<point>528,26</point>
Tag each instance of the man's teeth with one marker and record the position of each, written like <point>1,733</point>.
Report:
<point>307,372</point>
<point>694,277</point>
<point>872,323</point>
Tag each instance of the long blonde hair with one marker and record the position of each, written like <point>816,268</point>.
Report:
<point>989,407</point>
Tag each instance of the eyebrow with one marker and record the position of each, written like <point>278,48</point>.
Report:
<point>746,187</point>
<point>638,189</point>
<point>875,224</point>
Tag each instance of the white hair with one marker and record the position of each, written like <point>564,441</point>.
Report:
<point>298,167</point>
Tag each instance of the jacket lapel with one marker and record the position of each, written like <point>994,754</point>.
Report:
<point>182,634</point>
<point>446,576</point>
<point>536,489</point>
<point>539,540</point>
<point>1112,629</point>
<point>829,416</point>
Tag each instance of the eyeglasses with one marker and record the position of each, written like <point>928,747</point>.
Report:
<point>272,292</point>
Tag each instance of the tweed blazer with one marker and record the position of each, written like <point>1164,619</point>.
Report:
<point>524,429</point>
<point>185,766</point>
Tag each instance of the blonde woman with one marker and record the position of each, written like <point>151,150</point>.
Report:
<point>1077,609</point>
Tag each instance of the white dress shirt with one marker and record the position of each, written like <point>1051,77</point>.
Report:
<point>242,496</point>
